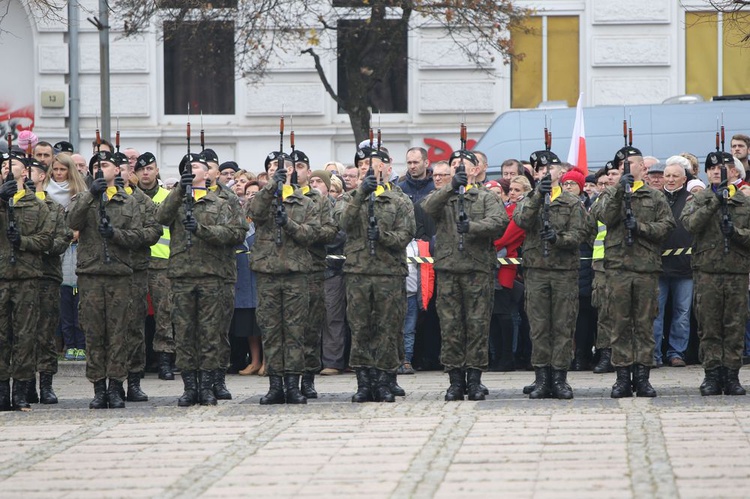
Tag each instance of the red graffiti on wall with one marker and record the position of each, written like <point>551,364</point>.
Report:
<point>439,150</point>
<point>16,120</point>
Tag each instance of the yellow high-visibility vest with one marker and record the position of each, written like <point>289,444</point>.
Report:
<point>161,248</point>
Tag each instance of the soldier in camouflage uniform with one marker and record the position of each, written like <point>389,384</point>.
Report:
<point>550,260</point>
<point>375,284</point>
<point>196,258</point>
<point>719,276</point>
<point>324,235</point>
<point>49,290</point>
<point>633,271</point>
<point>465,262</point>
<point>104,277</point>
<point>136,331</point>
<point>21,252</point>
<point>285,222</point>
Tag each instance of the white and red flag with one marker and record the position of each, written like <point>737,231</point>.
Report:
<point>577,152</point>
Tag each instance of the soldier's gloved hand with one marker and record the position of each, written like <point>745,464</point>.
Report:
<point>545,186</point>
<point>14,236</point>
<point>29,185</point>
<point>281,218</point>
<point>719,192</point>
<point>119,181</point>
<point>279,176</point>
<point>462,226</point>
<point>369,184</point>
<point>186,180</point>
<point>98,187</point>
<point>106,230</point>
<point>631,224</point>
<point>373,233</point>
<point>727,228</point>
<point>8,190</point>
<point>627,180</point>
<point>460,179</point>
<point>549,235</point>
<point>190,224</point>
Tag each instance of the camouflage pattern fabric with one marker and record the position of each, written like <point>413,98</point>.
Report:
<point>633,307</point>
<point>49,317</point>
<point>136,329</point>
<point>161,301</point>
<point>315,322</point>
<point>19,313</point>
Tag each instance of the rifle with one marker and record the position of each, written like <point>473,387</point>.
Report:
<point>627,134</point>
<point>372,221</point>
<point>103,217</point>
<point>189,188</point>
<point>117,136</point>
<point>725,218</point>
<point>293,180</point>
<point>11,212</point>
<point>461,189</point>
<point>547,197</point>
<point>203,132</point>
<point>279,195</point>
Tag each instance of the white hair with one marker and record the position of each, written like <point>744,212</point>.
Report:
<point>740,169</point>
<point>679,160</point>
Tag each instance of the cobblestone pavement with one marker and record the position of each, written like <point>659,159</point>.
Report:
<point>677,445</point>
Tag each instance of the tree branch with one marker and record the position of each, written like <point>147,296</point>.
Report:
<point>323,77</point>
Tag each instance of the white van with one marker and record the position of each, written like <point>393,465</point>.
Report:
<point>660,130</point>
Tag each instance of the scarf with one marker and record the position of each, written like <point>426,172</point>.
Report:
<point>59,192</point>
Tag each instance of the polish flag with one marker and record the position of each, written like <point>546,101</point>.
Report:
<point>577,153</point>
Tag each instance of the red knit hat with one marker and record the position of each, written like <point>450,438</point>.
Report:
<point>576,176</point>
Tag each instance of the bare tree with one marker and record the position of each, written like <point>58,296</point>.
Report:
<point>736,13</point>
<point>374,31</point>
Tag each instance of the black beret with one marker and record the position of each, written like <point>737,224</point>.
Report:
<point>712,159</point>
<point>120,158</point>
<point>100,156</point>
<point>300,157</point>
<point>64,146</point>
<point>361,154</point>
<point>543,158</point>
<point>463,153</point>
<point>210,155</point>
<point>626,151</point>
<point>728,158</point>
<point>144,160</point>
<point>609,166</point>
<point>189,159</point>
<point>36,164</point>
<point>591,179</point>
<point>229,165</point>
<point>274,156</point>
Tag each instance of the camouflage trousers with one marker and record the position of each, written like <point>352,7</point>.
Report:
<point>604,317</point>
<point>103,307</point>
<point>283,305</point>
<point>225,348</point>
<point>633,306</point>
<point>551,303</point>
<point>316,320</point>
<point>375,309</point>
<point>720,304</point>
<point>161,301</point>
<point>464,307</point>
<point>197,313</point>
<point>49,317</point>
<point>19,314</point>
<point>136,336</point>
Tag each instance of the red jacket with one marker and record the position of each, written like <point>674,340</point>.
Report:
<point>511,240</point>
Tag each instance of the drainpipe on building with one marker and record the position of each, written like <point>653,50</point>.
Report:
<point>74,89</point>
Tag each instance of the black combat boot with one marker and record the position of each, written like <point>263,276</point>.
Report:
<point>46,393</point>
<point>560,387</point>
<point>529,388</point>
<point>165,366</point>
<point>623,386</point>
<point>5,395</point>
<point>114,394</point>
<point>393,385</point>
<point>20,395</point>
<point>732,384</point>
<point>383,392</point>
<point>206,392</point>
<point>711,382</point>
<point>190,395</point>
<point>641,383</point>
<point>220,385</point>
<point>100,395</point>
<point>32,397</point>
<point>456,390</point>
<point>291,386</point>
<point>483,388</point>
<point>308,386</point>
<point>364,394</point>
<point>275,393</point>
<point>135,394</point>
<point>474,384</point>
<point>605,362</point>
<point>542,383</point>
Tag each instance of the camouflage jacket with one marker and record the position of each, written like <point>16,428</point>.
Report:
<point>655,222</point>
<point>567,217</point>
<point>152,230</point>
<point>327,231</point>
<point>298,233</point>
<point>394,213</point>
<point>52,259</point>
<point>207,255</point>
<point>123,213</point>
<point>702,218</point>
<point>487,221</point>
<point>37,228</point>
<point>237,223</point>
